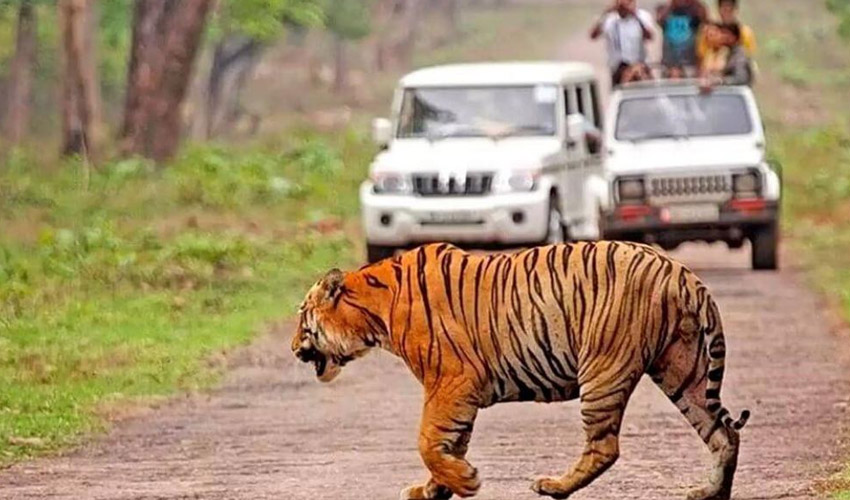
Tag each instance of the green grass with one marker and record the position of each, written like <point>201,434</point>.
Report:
<point>803,93</point>
<point>128,282</point>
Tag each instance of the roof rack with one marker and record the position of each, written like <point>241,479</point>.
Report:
<point>661,82</point>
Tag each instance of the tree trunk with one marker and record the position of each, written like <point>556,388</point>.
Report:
<point>234,60</point>
<point>340,64</point>
<point>18,106</point>
<point>412,16</point>
<point>166,37</point>
<point>90,72</point>
<point>382,17</point>
<point>449,11</point>
<point>80,88</point>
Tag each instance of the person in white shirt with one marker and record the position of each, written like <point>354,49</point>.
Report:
<point>627,29</point>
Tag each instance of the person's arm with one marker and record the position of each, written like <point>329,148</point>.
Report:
<point>645,21</point>
<point>739,71</point>
<point>596,31</point>
<point>664,14</point>
<point>702,12</point>
<point>600,25</point>
<point>748,40</point>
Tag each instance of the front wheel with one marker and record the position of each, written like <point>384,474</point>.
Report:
<point>765,248</point>
<point>376,253</point>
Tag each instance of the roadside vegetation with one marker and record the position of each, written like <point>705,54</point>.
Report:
<point>131,281</point>
<point>810,134</point>
<point>805,83</point>
<point>128,281</point>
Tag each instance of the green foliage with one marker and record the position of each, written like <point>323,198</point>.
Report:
<point>841,8</point>
<point>818,174</point>
<point>348,19</point>
<point>114,38</point>
<point>124,282</point>
<point>218,177</point>
<point>265,20</point>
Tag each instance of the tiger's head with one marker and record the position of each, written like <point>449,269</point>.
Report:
<point>333,328</point>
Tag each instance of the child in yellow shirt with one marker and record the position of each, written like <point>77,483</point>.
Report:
<point>728,10</point>
<point>714,51</point>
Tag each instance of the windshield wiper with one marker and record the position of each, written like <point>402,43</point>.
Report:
<point>521,130</point>
<point>458,131</point>
<point>659,137</point>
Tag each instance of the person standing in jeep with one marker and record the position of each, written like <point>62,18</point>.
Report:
<point>681,21</point>
<point>627,29</point>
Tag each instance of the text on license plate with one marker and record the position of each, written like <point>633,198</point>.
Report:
<point>705,212</point>
<point>454,217</point>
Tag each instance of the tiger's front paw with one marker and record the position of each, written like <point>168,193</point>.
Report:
<point>549,486</point>
<point>430,491</point>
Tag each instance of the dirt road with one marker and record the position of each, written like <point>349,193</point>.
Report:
<point>272,432</point>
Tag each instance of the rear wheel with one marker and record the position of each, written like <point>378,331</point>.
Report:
<point>557,232</point>
<point>375,253</point>
<point>765,245</point>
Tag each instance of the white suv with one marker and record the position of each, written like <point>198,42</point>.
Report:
<point>684,165</point>
<point>479,154</point>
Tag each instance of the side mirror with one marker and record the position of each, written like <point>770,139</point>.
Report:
<point>382,132</point>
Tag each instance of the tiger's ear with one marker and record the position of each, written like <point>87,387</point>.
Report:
<point>332,283</point>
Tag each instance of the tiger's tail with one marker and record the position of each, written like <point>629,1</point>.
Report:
<point>712,328</point>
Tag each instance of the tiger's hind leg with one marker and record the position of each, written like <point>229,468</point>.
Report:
<point>603,401</point>
<point>682,373</point>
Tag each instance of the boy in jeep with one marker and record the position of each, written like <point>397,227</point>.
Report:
<point>681,21</point>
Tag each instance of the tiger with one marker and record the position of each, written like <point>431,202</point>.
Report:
<point>571,321</point>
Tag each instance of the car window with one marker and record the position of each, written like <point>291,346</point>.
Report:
<point>569,100</point>
<point>674,116</point>
<point>478,112</point>
<point>580,99</point>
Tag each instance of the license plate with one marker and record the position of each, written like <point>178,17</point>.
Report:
<point>705,212</point>
<point>454,217</point>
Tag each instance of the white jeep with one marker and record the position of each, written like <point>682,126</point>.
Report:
<point>480,155</point>
<point>685,164</point>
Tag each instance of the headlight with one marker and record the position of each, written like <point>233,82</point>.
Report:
<point>391,183</point>
<point>516,182</point>
<point>747,185</point>
<point>631,190</point>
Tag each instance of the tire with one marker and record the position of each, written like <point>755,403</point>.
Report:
<point>377,253</point>
<point>557,231</point>
<point>765,244</point>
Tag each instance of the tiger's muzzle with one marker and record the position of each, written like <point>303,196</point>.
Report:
<point>326,369</point>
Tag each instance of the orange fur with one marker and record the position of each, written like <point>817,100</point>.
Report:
<point>546,324</point>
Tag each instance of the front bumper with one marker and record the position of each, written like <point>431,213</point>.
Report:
<point>732,225</point>
<point>404,220</point>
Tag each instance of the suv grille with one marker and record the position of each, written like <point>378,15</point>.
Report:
<point>471,185</point>
<point>697,186</point>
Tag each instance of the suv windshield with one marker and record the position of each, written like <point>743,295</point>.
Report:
<point>495,112</point>
<point>666,116</point>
